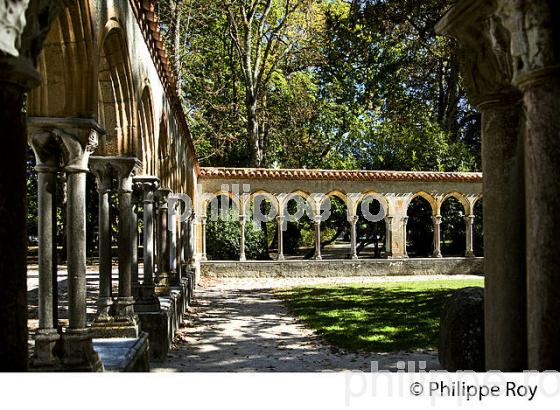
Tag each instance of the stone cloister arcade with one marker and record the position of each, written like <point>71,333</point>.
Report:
<point>393,190</point>
<point>89,86</point>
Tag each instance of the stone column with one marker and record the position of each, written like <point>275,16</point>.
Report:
<point>353,238</point>
<point>486,69</point>
<point>389,236</point>
<point>317,220</point>
<point>47,159</point>
<point>162,195</point>
<point>469,229</point>
<point>17,76</point>
<point>124,314</point>
<point>172,238</point>
<point>280,223</point>
<point>134,239</point>
<point>535,49</point>
<point>79,138</point>
<point>404,235</point>
<point>147,301</point>
<point>242,221</point>
<point>103,172</point>
<point>203,228</point>
<point>437,236</point>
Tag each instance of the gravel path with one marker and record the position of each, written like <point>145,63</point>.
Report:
<point>238,325</point>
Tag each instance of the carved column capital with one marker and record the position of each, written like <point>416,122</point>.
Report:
<point>531,25</point>
<point>147,186</point>
<point>46,150</point>
<point>485,58</point>
<point>161,196</point>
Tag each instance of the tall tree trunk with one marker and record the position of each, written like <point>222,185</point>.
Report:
<point>253,132</point>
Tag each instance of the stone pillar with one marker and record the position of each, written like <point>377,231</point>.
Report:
<point>125,317</point>
<point>134,239</point>
<point>535,49</point>
<point>17,76</point>
<point>317,220</point>
<point>280,222</point>
<point>404,236</point>
<point>79,138</point>
<point>162,195</point>
<point>172,244</point>
<point>203,229</point>
<point>242,221</point>
<point>47,159</point>
<point>437,236</point>
<point>147,300</point>
<point>389,236</point>
<point>353,238</point>
<point>104,178</point>
<point>486,69</point>
<point>469,229</point>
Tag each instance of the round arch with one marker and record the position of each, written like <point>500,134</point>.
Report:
<point>117,106</point>
<point>146,128</point>
<point>67,67</point>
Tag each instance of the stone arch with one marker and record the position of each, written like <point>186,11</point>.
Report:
<point>459,197</point>
<point>428,197</point>
<point>116,96</point>
<point>163,150</point>
<point>371,235</point>
<point>67,67</point>
<point>420,211</point>
<point>337,194</point>
<point>377,195</point>
<point>271,197</point>
<point>146,128</point>
<point>453,228</point>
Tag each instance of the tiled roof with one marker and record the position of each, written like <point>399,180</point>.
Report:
<point>339,175</point>
<point>149,25</point>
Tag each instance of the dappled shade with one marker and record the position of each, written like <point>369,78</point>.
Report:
<point>384,317</point>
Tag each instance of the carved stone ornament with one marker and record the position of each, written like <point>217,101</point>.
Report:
<point>12,24</point>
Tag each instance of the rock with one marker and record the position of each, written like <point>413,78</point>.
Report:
<point>462,331</point>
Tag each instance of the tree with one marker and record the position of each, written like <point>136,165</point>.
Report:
<point>264,32</point>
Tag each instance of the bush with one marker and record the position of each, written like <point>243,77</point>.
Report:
<point>223,238</point>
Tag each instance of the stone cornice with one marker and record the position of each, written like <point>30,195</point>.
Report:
<point>338,175</point>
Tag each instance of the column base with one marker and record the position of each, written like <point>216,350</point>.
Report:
<point>470,254</point>
<point>47,342</point>
<point>354,257</point>
<point>281,258</point>
<point>147,300</point>
<point>437,255</point>
<point>79,355</point>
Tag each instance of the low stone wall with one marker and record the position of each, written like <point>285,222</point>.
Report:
<point>342,268</point>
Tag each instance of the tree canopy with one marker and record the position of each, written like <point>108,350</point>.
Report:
<point>321,84</point>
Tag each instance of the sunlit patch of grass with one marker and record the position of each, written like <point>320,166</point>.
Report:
<point>376,317</point>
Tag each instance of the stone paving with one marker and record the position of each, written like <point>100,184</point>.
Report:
<point>239,325</point>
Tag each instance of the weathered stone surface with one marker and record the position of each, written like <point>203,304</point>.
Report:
<point>338,268</point>
<point>462,331</point>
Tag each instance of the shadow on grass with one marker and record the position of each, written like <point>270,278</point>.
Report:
<point>374,318</point>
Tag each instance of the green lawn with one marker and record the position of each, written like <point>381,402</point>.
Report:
<point>376,317</point>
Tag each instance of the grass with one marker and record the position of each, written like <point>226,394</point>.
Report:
<point>375,317</point>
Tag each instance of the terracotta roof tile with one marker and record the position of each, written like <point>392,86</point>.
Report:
<point>340,175</point>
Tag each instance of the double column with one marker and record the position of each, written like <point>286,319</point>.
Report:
<point>487,73</point>
<point>437,236</point>
<point>163,242</point>
<point>75,139</point>
<point>116,317</point>
<point>147,300</point>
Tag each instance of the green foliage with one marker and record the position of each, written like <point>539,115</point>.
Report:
<point>380,317</point>
<point>223,238</point>
<point>366,84</point>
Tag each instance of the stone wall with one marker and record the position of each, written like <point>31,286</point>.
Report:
<point>342,268</point>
